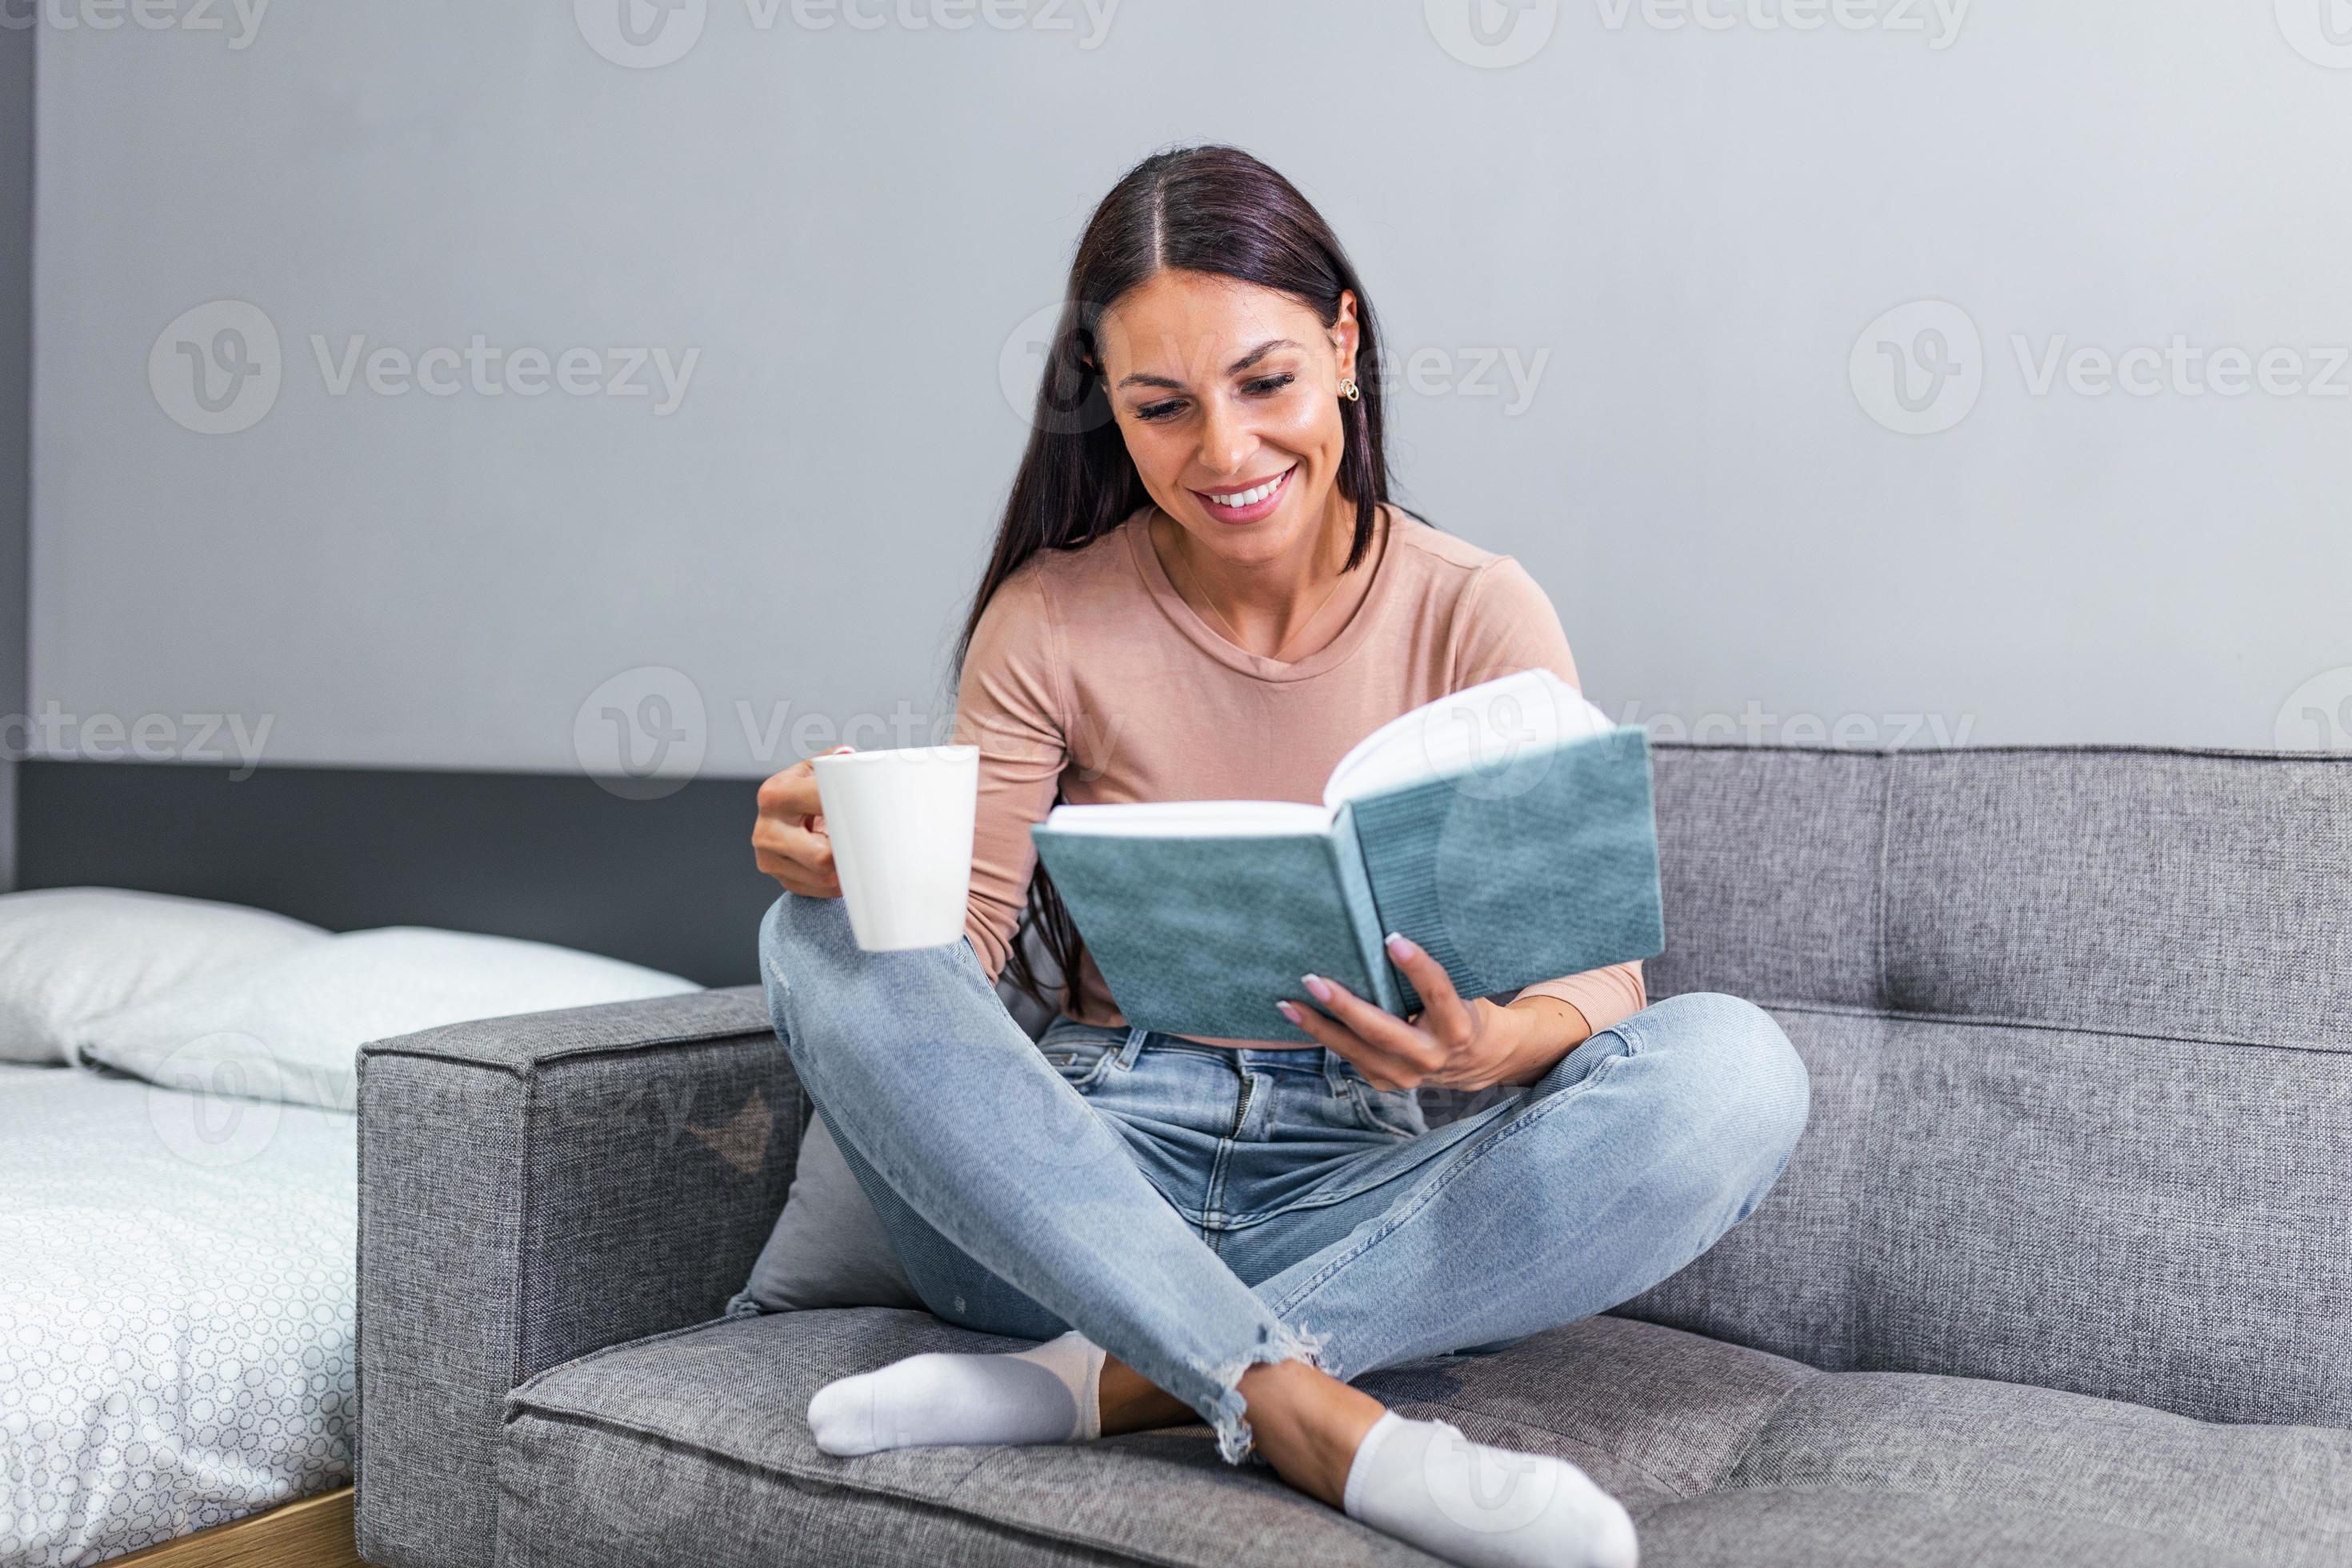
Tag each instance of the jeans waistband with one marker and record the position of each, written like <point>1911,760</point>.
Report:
<point>1336,1069</point>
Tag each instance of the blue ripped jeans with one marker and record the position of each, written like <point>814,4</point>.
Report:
<point>1195,1209</point>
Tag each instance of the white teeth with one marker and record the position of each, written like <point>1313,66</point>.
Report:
<point>1251,498</point>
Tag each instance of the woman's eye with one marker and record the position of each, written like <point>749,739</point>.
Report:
<point>1257,386</point>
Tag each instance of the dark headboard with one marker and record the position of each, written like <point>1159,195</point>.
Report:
<point>549,856</point>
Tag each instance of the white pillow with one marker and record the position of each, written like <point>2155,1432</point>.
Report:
<point>71,954</point>
<point>290,1029</point>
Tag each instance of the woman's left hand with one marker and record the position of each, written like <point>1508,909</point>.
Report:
<point>1449,1043</point>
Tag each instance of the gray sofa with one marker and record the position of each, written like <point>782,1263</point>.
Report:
<point>2062,1272</point>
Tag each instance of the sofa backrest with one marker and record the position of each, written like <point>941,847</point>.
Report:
<point>2079,1022</point>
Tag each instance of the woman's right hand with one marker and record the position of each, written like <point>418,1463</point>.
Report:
<point>789,841</point>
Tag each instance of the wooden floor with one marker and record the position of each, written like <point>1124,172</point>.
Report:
<point>314,1532</point>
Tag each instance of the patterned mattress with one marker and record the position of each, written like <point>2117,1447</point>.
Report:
<point>176,1305</point>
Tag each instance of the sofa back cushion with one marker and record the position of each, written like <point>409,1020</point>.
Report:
<point>2080,1026</point>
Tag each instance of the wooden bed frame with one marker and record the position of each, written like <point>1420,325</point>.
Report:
<point>309,1532</point>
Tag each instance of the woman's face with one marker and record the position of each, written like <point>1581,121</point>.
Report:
<point>1221,390</point>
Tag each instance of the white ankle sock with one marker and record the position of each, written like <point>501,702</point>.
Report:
<point>1424,1483</point>
<point>1049,1395</point>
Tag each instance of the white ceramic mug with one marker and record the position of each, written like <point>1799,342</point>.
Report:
<point>901,828</point>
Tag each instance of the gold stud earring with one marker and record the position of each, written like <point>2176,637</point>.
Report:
<point>1347,389</point>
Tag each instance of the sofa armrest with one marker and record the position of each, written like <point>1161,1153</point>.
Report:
<point>532,1188</point>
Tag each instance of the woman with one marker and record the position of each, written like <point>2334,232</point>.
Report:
<point>1200,590</point>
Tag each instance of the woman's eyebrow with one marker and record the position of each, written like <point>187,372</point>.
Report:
<point>1239,366</point>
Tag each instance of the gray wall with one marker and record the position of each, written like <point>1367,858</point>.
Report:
<point>16,378</point>
<point>1698,230</point>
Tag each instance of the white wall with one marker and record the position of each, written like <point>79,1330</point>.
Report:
<point>1694,225</point>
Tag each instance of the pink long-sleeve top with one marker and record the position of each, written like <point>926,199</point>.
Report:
<point>1089,676</point>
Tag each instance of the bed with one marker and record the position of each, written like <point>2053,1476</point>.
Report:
<point>178,1210</point>
<point>175,1331</point>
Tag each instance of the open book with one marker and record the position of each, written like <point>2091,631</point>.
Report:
<point>1507,828</point>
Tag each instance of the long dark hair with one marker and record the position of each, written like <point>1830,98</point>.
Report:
<point>1199,209</point>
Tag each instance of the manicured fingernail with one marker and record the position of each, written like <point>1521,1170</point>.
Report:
<point>1318,988</point>
<point>1287,1011</point>
<point>1401,947</point>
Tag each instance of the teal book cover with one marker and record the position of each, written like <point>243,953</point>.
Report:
<point>1509,828</point>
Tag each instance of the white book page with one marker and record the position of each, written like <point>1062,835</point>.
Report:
<point>1194,819</point>
<point>1485,725</point>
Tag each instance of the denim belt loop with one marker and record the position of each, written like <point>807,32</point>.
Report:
<point>1335,1070</point>
<point>1133,1048</point>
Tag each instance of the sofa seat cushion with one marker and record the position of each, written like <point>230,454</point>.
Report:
<point>694,1446</point>
<point>1869,1468</point>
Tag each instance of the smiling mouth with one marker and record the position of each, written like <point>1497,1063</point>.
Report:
<point>1249,495</point>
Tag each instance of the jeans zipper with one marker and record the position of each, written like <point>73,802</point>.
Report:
<point>1241,1112</point>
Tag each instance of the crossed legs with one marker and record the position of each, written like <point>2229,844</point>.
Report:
<point>1015,1207</point>
<point>936,1097</point>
